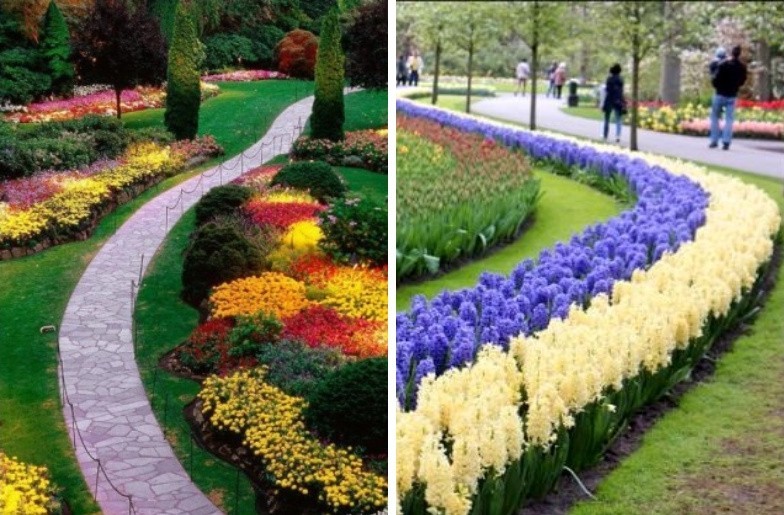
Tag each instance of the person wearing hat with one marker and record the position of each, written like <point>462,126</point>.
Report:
<point>730,76</point>
<point>713,67</point>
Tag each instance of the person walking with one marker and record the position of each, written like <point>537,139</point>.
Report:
<point>402,70</point>
<point>613,101</point>
<point>414,67</point>
<point>522,72</point>
<point>559,78</point>
<point>551,79</point>
<point>730,76</point>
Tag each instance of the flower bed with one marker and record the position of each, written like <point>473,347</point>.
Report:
<point>365,149</point>
<point>101,103</point>
<point>751,120</point>
<point>458,195</point>
<point>52,207</point>
<point>25,488</point>
<point>244,76</point>
<point>555,395</point>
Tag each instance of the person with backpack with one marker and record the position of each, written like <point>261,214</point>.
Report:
<point>713,67</point>
<point>613,101</point>
<point>730,76</point>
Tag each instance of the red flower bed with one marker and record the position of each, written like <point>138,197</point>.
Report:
<point>280,214</point>
<point>207,349</point>
<point>313,269</point>
<point>773,105</point>
<point>258,178</point>
<point>319,325</point>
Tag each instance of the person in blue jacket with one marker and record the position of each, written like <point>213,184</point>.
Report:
<point>613,101</point>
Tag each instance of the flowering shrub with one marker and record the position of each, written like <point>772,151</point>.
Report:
<point>280,213</point>
<point>751,120</point>
<point>206,349</point>
<point>25,488</point>
<point>760,130</point>
<point>302,236</point>
<point>271,292</point>
<point>323,326</point>
<point>313,269</point>
<point>258,178</point>
<point>272,425</point>
<point>446,332</point>
<point>587,373</point>
<point>200,146</point>
<point>458,194</point>
<point>773,105</point>
<point>355,231</point>
<point>358,293</point>
<point>244,76</point>
<point>370,146</point>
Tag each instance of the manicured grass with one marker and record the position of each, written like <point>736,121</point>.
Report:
<point>565,208</point>
<point>591,113</point>
<point>36,289</point>
<point>721,450</point>
<point>163,321</point>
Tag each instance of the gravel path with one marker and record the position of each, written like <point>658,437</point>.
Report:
<point>101,381</point>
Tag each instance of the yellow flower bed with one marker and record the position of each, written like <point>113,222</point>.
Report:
<point>574,361</point>
<point>357,293</point>
<point>24,489</point>
<point>77,202</point>
<point>274,430</point>
<point>271,292</point>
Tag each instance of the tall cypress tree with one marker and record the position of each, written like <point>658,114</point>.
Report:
<point>164,11</point>
<point>183,94</point>
<point>55,46</point>
<point>328,115</point>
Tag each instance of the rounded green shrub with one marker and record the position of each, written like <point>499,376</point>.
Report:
<point>218,252</point>
<point>221,201</point>
<point>317,178</point>
<point>349,406</point>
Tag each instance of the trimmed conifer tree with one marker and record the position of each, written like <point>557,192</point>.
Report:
<point>164,11</point>
<point>55,46</point>
<point>328,115</point>
<point>183,93</point>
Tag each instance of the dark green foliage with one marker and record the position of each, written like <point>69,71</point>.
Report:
<point>60,145</point>
<point>23,74</point>
<point>251,332</point>
<point>366,46</point>
<point>264,40</point>
<point>221,201</point>
<point>183,91</point>
<point>225,50</point>
<point>217,253</point>
<point>55,46</point>
<point>350,405</point>
<point>164,11</point>
<point>120,47</point>
<point>328,112</point>
<point>355,231</point>
<point>156,134</point>
<point>315,177</point>
<point>296,368</point>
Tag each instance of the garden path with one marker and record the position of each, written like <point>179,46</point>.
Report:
<point>761,157</point>
<point>99,374</point>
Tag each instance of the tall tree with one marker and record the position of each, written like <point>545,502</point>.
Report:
<point>119,47</point>
<point>164,11</point>
<point>328,112</point>
<point>638,29</point>
<point>55,47</point>
<point>764,22</point>
<point>183,89</point>
<point>366,46</point>
<point>430,24</point>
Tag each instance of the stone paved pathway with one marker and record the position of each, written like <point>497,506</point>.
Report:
<point>761,157</point>
<point>102,381</point>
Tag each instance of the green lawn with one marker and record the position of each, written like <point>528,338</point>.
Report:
<point>722,449</point>
<point>591,113</point>
<point>35,291</point>
<point>159,302</point>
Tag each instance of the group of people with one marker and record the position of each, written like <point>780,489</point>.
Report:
<point>556,75</point>
<point>408,69</point>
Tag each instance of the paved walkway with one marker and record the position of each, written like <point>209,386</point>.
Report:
<point>101,378</point>
<point>756,156</point>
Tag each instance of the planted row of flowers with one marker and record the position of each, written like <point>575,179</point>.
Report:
<point>244,76</point>
<point>364,149</point>
<point>458,195</point>
<point>750,121</point>
<point>554,397</point>
<point>25,488</point>
<point>54,207</point>
<point>446,333</point>
<point>101,103</point>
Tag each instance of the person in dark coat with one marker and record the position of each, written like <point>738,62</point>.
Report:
<point>402,71</point>
<point>613,101</point>
<point>730,76</point>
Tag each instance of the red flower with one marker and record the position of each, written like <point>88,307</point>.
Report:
<point>319,326</point>
<point>280,214</point>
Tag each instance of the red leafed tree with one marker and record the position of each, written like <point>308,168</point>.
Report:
<point>296,54</point>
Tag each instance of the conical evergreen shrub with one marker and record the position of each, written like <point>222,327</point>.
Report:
<point>328,113</point>
<point>55,46</point>
<point>183,93</point>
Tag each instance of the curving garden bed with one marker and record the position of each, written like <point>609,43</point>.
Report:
<point>585,372</point>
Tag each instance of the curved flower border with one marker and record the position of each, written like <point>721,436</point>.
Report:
<point>576,361</point>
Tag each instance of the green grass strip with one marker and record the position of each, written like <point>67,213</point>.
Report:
<point>35,290</point>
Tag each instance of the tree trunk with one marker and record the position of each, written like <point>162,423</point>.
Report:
<point>635,97</point>
<point>584,48</point>
<point>534,63</point>
<point>470,72</point>
<point>436,71</point>
<point>762,85</point>
<point>118,94</point>
<point>670,84</point>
